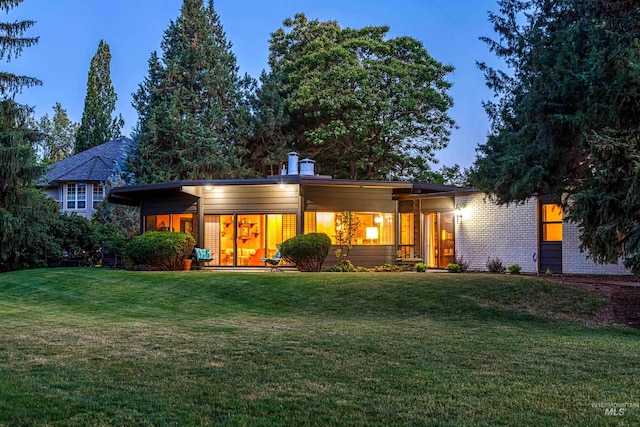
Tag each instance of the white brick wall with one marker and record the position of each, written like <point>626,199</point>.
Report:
<point>491,231</point>
<point>511,234</point>
<point>576,262</point>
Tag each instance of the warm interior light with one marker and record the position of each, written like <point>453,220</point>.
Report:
<point>377,219</point>
<point>371,233</point>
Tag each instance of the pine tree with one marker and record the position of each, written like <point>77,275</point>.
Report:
<point>192,116</point>
<point>97,125</point>
<point>22,208</point>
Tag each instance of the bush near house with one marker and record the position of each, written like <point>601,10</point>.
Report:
<point>514,269</point>
<point>495,265</point>
<point>158,250</point>
<point>454,268</point>
<point>421,267</point>
<point>306,251</point>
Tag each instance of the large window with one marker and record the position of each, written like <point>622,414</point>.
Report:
<point>551,223</point>
<point>77,196</point>
<point>375,228</point>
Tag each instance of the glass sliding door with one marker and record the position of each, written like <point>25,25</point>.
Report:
<point>244,239</point>
<point>250,239</point>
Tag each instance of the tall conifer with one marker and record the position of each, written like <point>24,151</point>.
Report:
<point>192,120</point>
<point>98,124</point>
<point>21,206</point>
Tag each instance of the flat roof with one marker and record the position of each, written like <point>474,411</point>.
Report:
<point>132,194</point>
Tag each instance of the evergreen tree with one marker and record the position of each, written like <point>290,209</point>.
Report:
<point>566,119</point>
<point>193,119</point>
<point>97,125</point>
<point>59,134</point>
<point>11,45</point>
<point>23,209</point>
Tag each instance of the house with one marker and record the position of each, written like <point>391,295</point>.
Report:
<point>77,183</point>
<point>243,220</point>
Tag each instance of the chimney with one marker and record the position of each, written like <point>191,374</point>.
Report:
<point>307,167</point>
<point>293,163</point>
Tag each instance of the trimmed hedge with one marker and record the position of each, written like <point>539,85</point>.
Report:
<point>306,251</point>
<point>158,250</point>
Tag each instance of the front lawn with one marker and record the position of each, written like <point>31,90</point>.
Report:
<point>100,347</point>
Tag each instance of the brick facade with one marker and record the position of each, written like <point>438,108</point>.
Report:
<point>511,233</point>
<point>488,231</point>
<point>576,262</point>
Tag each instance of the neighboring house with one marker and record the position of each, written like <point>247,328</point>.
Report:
<point>243,220</point>
<point>77,183</point>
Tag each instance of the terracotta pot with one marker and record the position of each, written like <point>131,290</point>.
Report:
<point>186,264</point>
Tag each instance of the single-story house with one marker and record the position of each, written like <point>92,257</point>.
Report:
<point>243,220</point>
<point>77,183</point>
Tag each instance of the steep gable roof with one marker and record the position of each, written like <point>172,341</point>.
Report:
<point>95,164</point>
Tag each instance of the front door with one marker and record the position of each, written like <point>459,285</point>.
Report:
<point>439,239</point>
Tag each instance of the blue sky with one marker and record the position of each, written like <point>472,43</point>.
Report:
<point>70,31</point>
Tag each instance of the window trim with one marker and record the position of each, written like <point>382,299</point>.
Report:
<point>73,196</point>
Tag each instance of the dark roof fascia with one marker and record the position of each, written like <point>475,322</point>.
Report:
<point>460,191</point>
<point>134,193</point>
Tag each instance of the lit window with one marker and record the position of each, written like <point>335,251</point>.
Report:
<point>407,236</point>
<point>370,228</point>
<point>551,223</point>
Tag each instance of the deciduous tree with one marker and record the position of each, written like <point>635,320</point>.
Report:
<point>567,114</point>
<point>58,135</point>
<point>98,124</point>
<point>359,103</point>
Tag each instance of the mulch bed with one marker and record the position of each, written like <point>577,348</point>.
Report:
<point>623,294</point>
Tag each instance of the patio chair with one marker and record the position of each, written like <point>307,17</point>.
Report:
<point>274,260</point>
<point>202,255</point>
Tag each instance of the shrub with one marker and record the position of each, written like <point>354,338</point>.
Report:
<point>421,267</point>
<point>158,250</point>
<point>392,268</point>
<point>306,251</point>
<point>495,265</point>
<point>514,269</point>
<point>454,268</point>
<point>344,266</point>
<point>464,265</point>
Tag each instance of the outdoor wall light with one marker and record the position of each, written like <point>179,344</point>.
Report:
<point>458,213</point>
<point>207,187</point>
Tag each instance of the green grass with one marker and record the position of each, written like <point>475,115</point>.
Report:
<point>102,347</point>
